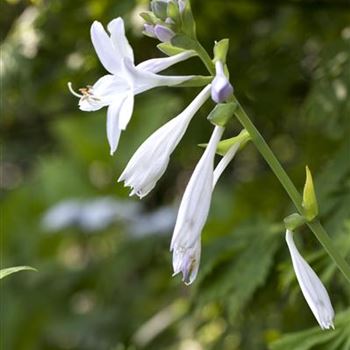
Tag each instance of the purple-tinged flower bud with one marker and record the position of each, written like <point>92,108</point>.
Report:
<point>169,21</point>
<point>163,33</point>
<point>149,30</point>
<point>221,88</point>
<point>159,8</point>
<point>182,5</point>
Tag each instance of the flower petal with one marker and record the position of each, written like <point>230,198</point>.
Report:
<point>195,203</point>
<point>143,80</point>
<point>113,130</point>
<point>156,65</point>
<point>224,162</point>
<point>119,40</point>
<point>126,110</point>
<point>108,87</point>
<point>106,90</point>
<point>104,48</point>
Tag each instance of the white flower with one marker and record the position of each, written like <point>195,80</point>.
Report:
<point>313,290</point>
<point>221,88</point>
<point>151,159</point>
<point>117,90</point>
<point>194,207</point>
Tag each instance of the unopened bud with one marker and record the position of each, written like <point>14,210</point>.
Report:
<point>182,5</point>
<point>159,8</point>
<point>149,30</point>
<point>221,88</point>
<point>163,33</point>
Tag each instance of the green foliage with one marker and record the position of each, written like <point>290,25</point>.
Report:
<point>10,270</point>
<point>230,274</point>
<point>314,338</point>
<point>98,289</point>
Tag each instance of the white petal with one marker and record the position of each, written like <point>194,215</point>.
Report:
<point>108,87</point>
<point>224,162</point>
<point>120,42</point>
<point>195,203</point>
<point>313,289</point>
<point>106,90</point>
<point>156,65</point>
<point>104,48</point>
<point>90,105</point>
<point>113,130</point>
<point>126,111</point>
<point>143,80</point>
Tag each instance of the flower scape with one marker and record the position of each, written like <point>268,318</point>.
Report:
<point>171,22</point>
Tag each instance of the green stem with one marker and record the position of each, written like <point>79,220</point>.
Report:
<point>204,56</point>
<point>315,226</point>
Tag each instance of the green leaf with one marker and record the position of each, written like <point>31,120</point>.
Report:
<point>184,42</point>
<point>243,137</point>
<point>10,270</point>
<point>294,221</point>
<point>188,22</point>
<point>221,49</point>
<point>235,279</point>
<point>222,113</point>
<point>309,197</point>
<point>173,12</point>
<point>315,338</point>
<point>169,49</point>
<point>149,17</point>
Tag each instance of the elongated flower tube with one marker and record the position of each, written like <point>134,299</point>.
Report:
<point>313,290</point>
<point>151,159</point>
<point>224,162</point>
<point>117,89</point>
<point>221,88</point>
<point>194,208</point>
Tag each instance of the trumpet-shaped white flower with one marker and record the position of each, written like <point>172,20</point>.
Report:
<point>117,90</point>
<point>194,208</point>
<point>313,290</point>
<point>186,245</point>
<point>221,88</point>
<point>151,159</point>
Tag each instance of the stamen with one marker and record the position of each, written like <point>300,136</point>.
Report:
<point>72,91</point>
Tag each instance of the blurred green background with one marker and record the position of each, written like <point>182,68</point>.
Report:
<point>104,279</point>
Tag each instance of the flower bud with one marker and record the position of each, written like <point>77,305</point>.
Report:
<point>163,33</point>
<point>159,8</point>
<point>221,88</point>
<point>182,5</point>
<point>149,30</point>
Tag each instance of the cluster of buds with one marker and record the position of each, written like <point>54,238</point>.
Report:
<point>169,18</point>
